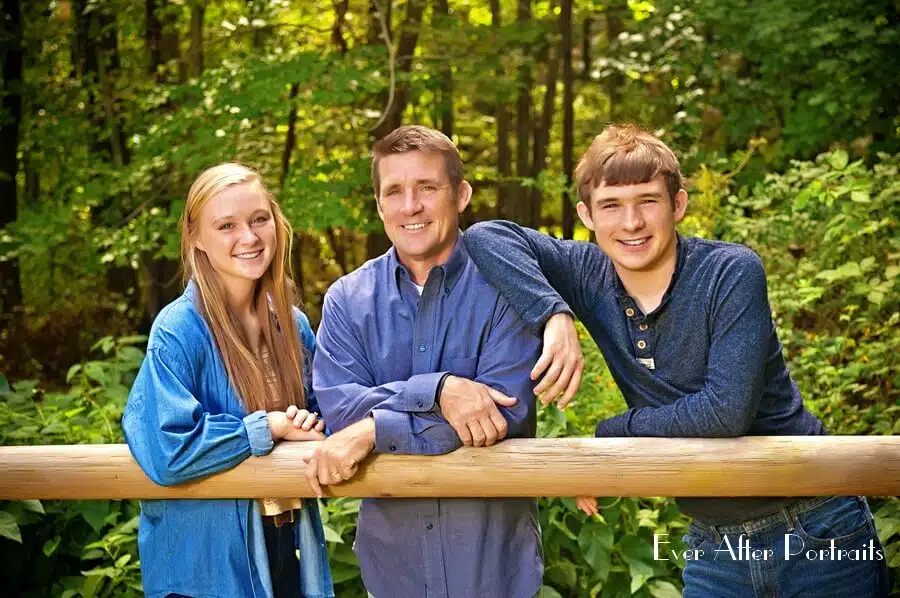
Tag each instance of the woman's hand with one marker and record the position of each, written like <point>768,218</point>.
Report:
<point>283,427</point>
<point>305,420</point>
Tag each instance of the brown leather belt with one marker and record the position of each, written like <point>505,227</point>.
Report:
<point>280,519</point>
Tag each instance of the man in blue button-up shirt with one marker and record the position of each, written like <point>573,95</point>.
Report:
<point>418,354</point>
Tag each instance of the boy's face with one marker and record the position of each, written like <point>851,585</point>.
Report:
<point>635,224</point>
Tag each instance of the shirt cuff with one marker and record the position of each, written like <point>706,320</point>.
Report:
<point>259,434</point>
<point>420,392</point>
<point>391,431</point>
<point>613,427</point>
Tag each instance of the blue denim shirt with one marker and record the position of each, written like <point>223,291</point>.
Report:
<point>183,421</point>
<point>706,362</point>
<point>382,350</point>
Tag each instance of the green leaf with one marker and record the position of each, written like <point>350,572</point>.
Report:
<point>50,546</point>
<point>548,592</point>
<point>94,512</point>
<point>9,528</point>
<point>875,297</point>
<point>663,589</point>
<point>839,160</point>
<point>33,505</point>
<point>860,197</point>
<point>331,535</point>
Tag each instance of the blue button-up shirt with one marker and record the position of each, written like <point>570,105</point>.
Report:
<point>382,350</point>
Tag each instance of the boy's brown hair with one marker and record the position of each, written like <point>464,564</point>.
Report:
<point>626,155</point>
<point>414,137</point>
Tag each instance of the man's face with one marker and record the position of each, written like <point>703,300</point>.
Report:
<point>418,207</point>
<point>635,224</point>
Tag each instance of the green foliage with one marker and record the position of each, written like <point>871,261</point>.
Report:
<point>71,548</point>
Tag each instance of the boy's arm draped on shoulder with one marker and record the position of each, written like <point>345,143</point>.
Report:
<point>347,392</point>
<point>543,279</point>
<point>538,275</point>
<point>170,435</point>
<point>741,328</point>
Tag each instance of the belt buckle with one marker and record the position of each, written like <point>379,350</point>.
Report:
<point>283,518</point>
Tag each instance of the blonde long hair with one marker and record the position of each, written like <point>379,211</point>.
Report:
<point>246,370</point>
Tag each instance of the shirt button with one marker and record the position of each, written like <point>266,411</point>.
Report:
<point>421,348</point>
<point>642,345</point>
<point>642,327</point>
<point>429,526</point>
<point>447,291</point>
<point>393,448</point>
<point>629,312</point>
<point>419,403</point>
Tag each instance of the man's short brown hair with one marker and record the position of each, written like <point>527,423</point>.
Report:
<point>414,137</point>
<point>626,155</point>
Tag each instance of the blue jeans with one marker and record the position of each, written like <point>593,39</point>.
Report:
<point>816,548</point>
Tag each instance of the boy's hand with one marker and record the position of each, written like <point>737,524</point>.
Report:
<point>588,504</point>
<point>561,362</point>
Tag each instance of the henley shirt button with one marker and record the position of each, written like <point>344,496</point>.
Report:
<point>447,291</point>
<point>429,526</point>
<point>393,448</point>
<point>421,348</point>
<point>418,403</point>
<point>629,312</point>
<point>642,345</point>
<point>642,327</point>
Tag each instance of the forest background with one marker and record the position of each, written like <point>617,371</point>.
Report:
<point>784,113</point>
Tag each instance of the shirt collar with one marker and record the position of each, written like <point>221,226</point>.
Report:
<point>452,269</point>
<point>680,256</point>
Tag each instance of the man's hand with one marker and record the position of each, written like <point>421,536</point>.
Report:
<point>471,408</point>
<point>304,420</point>
<point>588,504</point>
<point>561,362</point>
<point>337,458</point>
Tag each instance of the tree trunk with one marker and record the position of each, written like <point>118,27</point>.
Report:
<point>11,30</point>
<point>377,241</point>
<point>586,26</point>
<point>198,13</point>
<point>521,211</point>
<point>337,32</point>
<point>614,27</point>
<point>163,47</point>
<point>442,9</point>
<point>504,158</point>
<point>565,25</point>
<point>542,133</point>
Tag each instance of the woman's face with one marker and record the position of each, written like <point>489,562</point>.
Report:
<point>236,231</point>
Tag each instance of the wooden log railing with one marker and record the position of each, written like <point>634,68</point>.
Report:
<point>748,466</point>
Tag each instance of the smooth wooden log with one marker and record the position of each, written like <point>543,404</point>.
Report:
<point>749,466</point>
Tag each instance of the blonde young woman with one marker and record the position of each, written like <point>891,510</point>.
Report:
<point>225,377</point>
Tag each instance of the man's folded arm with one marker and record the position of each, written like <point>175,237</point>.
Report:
<point>347,393</point>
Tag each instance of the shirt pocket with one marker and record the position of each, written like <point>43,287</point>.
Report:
<point>464,367</point>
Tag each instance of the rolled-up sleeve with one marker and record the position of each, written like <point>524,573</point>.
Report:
<point>170,435</point>
<point>347,392</point>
